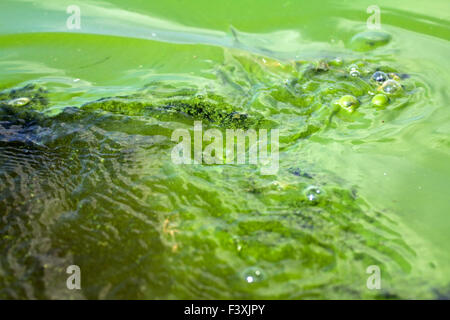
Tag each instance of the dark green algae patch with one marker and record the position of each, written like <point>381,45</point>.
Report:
<point>94,186</point>
<point>211,108</point>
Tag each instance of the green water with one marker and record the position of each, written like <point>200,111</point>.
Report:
<point>86,176</point>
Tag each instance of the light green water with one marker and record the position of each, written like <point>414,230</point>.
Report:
<point>97,188</point>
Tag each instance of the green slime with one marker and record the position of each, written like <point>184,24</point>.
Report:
<point>137,223</point>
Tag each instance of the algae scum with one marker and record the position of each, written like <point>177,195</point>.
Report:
<point>87,179</point>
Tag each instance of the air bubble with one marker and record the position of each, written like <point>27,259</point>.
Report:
<point>379,76</point>
<point>253,275</point>
<point>354,73</point>
<point>380,100</point>
<point>348,102</point>
<point>313,194</point>
<point>353,70</point>
<point>369,40</point>
<point>19,102</point>
<point>391,87</point>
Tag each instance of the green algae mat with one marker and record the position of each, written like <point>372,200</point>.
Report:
<point>100,199</point>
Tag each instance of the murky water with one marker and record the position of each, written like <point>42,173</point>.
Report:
<point>87,179</point>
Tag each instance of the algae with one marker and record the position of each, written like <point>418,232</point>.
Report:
<point>201,230</point>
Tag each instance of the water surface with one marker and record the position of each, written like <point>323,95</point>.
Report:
<point>87,185</point>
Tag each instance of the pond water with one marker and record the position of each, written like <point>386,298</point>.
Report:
<point>87,179</point>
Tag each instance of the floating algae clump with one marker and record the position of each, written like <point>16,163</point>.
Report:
<point>297,96</point>
<point>211,108</point>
